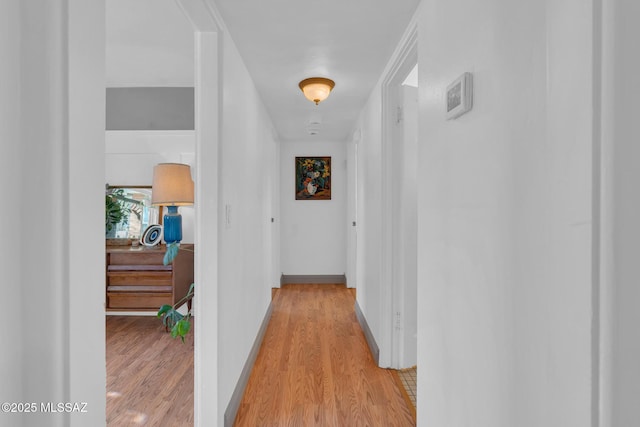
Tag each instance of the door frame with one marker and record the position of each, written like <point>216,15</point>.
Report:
<point>352,210</point>
<point>207,29</point>
<point>391,294</point>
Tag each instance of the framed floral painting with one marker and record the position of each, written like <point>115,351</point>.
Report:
<point>313,178</point>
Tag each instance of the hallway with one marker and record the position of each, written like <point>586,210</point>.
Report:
<point>314,367</point>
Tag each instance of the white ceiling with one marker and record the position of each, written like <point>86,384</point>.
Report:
<point>149,43</point>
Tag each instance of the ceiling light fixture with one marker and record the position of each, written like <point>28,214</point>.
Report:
<point>316,89</point>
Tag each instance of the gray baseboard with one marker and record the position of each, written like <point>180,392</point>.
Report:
<point>312,278</point>
<point>234,404</point>
<point>371,341</point>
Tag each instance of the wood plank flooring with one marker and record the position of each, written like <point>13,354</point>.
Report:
<point>315,369</point>
<point>149,374</point>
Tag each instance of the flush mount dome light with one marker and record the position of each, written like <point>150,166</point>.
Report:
<point>316,89</point>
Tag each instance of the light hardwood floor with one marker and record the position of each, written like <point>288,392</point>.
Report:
<point>149,374</point>
<point>315,369</point>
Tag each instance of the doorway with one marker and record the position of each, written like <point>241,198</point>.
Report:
<point>203,149</point>
<point>352,273</point>
<point>405,221</point>
<point>149,120</point>
<point>399,204</point>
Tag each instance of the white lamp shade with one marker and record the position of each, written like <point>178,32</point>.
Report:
<point>172,185</point>
<point>316,89</point>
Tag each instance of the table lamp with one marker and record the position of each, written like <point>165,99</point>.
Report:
<point>172,187</point>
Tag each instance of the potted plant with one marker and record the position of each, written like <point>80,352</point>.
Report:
<point>177,323</point>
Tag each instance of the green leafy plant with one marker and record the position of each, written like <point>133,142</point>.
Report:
<point>115,211</point>
<point>175,322</point>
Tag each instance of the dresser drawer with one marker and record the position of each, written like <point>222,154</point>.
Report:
<point>141,278</point>
<point>139,300</point>
<point>137,280</point>
<point>139,258</point>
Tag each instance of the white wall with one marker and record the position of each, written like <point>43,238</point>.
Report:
<point>621,210</point>
<point>249,179</point>
<point>313,240</point>
<point>369,208</point>
<point>504,228</point>
<point>11,367</point>
<point>52,105</point>
<point>85,171</point>
<point>131,155</point>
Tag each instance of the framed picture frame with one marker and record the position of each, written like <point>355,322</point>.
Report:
<point>313,178</point>
<point>128,212</point>
<point>459,97</point>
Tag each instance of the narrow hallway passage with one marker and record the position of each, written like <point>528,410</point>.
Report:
<point>314,367</point>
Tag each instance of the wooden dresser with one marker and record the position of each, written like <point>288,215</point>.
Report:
<point>138,281</point>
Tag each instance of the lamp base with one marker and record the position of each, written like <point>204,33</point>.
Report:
<point>172,221</point>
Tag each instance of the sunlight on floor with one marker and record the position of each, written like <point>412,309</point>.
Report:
<point>138,418</point>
